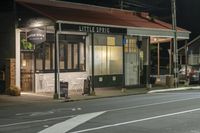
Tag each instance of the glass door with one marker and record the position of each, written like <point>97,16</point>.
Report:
<point>131,63</point>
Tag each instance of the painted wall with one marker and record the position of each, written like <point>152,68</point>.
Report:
<point>45,82</point>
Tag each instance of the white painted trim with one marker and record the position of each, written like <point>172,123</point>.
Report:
<point>17,58</point>
<point>138,30</point>
<point>72,33</point>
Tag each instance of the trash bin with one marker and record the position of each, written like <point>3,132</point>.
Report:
<point>64,89</point>
<point>86,89</point>
<point>170,81</point>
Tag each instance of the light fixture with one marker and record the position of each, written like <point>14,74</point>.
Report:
<point>24,63</point>
<point>155,39</point>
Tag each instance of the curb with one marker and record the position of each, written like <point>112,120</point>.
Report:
<point>175,89</point>
<point>100,97</point>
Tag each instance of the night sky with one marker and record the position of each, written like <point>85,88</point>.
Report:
<point>188,11</point>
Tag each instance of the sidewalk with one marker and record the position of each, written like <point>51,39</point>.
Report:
<point>6,100</point>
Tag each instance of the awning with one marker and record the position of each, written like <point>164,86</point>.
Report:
<point>135,23</point>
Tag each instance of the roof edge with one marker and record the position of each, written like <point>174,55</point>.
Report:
<point>68,4</point>
<point>170,31</point>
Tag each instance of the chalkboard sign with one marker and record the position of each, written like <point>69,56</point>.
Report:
<point>64,89</point>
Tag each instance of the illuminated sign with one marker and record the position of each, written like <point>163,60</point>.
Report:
<point>36,36</point>
<point>92,29</point>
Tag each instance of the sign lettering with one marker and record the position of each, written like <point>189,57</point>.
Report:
<point>36,36</point>
<point>92,29</point>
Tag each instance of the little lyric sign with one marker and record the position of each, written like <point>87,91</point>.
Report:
<point>93,29</point>
<point>36,36</point>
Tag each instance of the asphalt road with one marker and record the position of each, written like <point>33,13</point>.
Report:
<point>177,112</point>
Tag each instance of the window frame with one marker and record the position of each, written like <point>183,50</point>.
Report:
<point>72,69</point>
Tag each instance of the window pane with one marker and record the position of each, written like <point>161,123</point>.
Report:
<point>47,57</point>
<point>62,56</point>
<point>82,56</point>
<point>69,56</point>
<point>100,39</point>
<point>72,52</point>
<point>75,55</point>
<point>100,60</point>
<point>115,57</point>
<point>39,56</point>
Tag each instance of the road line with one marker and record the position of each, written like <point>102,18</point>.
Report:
<point>151,104</point>
<point>47,112</point>
<point>135,121</point>
<point>35,121</point>
<point>111,110</point>
<point>71,123</point>
<point>174,89</point>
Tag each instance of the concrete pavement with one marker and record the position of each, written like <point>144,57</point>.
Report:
<point>27,97</point>
<point>6,100</point>
<point>175,112</point>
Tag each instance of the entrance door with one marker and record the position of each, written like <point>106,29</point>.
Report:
<point>131,62</point>
<point>131,69</point>
<point>27,71</point>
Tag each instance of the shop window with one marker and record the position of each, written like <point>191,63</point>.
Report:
<point>108,54</point>
<point>130,46</point>
<point>72,54</point>
<point>44,61</point>
<point>43,52</point>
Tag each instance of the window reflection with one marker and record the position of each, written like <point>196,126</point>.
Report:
<point>108,54</point>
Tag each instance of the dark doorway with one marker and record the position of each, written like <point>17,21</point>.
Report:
<point>27,71</point>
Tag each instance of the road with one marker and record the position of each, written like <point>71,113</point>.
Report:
<point>174,112</point>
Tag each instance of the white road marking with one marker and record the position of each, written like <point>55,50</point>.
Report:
<point>42,113</point>
<point>79,109</point>
<point>151,104</point>
<point>35,121</point>
<point>46,126</point>
<point>174,89</point>
<point>125,108</point>
<point>48,112</point>
<point>74,109</point>
<point>71,123</point>
<point>135,121</point>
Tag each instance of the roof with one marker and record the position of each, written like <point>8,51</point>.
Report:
<point>87,14</point>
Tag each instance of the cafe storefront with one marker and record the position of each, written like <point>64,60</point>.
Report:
<point>72,43</point>
<point>105,49</point>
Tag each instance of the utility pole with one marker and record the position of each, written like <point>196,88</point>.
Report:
<point>121,4</point>
<point>175,55</point>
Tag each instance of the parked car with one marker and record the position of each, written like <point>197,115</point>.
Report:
<point>193,74</point>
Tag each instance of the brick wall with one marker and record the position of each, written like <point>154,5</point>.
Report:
<point>9,72</point>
